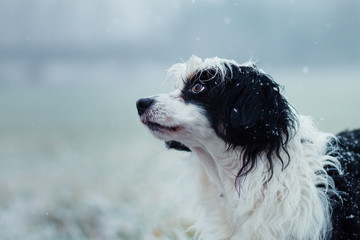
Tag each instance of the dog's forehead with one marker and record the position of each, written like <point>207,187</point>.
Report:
<point>183,72</point>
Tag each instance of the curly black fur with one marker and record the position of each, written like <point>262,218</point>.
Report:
<point>346,206</point>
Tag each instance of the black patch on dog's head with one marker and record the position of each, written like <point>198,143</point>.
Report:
<point>246,108</point>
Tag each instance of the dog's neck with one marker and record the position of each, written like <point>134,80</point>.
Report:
<point>218,163</point>
<point>211,164</point>
<point>216,173</point>
<point>248,209</point>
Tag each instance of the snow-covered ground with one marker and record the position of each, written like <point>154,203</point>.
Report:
<point>77,164</point>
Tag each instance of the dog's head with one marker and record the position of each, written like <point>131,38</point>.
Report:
<point>219,99</point>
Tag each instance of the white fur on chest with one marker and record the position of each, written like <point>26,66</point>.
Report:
<point>290,206</point>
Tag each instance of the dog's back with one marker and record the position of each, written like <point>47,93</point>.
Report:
<point>346,209</point>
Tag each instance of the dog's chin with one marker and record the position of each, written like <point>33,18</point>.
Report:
<point>163,131</point>
<point>153,126</point>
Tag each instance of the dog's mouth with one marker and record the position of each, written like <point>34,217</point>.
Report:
<point>153,126</point>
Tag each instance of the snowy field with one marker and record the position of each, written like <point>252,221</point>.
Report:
<point>77,164</point>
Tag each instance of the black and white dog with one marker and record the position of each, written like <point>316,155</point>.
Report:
<point>261,170</point>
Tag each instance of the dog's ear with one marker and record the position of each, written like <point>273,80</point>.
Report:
<point>258,113</point>
<point>177,146</point>
<point>257,117</point>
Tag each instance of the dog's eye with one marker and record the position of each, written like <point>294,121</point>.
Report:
<point>197,88</point>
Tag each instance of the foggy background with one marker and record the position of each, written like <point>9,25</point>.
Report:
<point>75,163</point>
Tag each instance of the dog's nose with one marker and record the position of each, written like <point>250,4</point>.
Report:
<point>142,104</point>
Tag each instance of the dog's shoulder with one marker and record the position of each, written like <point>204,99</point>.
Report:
<point>346,210</point>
